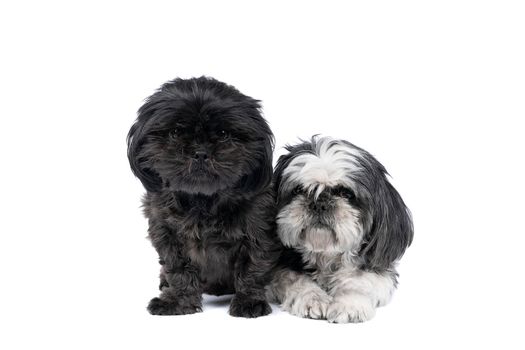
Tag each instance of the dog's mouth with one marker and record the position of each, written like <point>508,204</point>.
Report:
<point>318,238</point>
<point>201,169</point>
<point>321,222</point>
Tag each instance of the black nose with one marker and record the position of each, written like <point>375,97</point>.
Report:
<point>200,155</point>
<point>319,205</point>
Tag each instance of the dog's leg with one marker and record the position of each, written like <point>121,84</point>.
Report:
<point>357,294</point>
<point>252,274</point>
<point>298,294</point>
<point>181,296</point>
<point>181,291</point>
<point>163,282</point>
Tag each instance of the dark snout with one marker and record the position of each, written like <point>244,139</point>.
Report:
<point>321,205</point>
<point>200,155</point>
<point>200,162</point>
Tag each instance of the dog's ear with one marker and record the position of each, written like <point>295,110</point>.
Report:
<point>136,139</point>
<point>261,176</point>
<point>391,229</point>
<point>282,163</point>
<point>285,159</point>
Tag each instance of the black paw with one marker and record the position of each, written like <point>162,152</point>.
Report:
<point>250,308</point>
<point>159,306</point>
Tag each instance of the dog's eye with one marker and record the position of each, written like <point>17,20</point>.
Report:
<point>174,132</point>
<point>344,192</point>
<point>223,134</point>
<point>297,190</point>
<point>348,194</point>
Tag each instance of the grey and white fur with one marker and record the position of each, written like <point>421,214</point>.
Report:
<point>345,227</point>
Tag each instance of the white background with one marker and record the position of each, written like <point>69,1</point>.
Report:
<point>435,90</point>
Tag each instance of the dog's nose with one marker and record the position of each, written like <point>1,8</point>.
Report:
<point>320,205</point>
<point>201,155</point>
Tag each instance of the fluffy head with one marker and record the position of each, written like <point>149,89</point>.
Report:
<point>200,136</point>
<point>335,197</point>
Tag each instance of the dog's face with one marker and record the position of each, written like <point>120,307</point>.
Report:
<point>325,221</point>
<point>200,136</point>
<point>335,197</point>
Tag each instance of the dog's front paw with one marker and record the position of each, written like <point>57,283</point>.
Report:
<point>248,307</point>
<point>352,309</point>
<point>158,306</point>
<point>311,304</point>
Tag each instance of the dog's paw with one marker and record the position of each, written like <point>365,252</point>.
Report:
<point>352,309</point>
<point>250,308</point>
<point>311,304</point>
<point>158,306</point>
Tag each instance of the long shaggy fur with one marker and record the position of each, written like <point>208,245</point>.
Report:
<point>203,152</point>
<point>340,216</point>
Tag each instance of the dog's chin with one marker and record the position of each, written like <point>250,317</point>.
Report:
<point>319,238</point>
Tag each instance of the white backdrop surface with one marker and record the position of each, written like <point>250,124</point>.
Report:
<point>435,90</point>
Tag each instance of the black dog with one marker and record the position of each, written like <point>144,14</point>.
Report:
<point>203,152</point>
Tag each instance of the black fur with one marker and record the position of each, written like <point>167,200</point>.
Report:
<point>204,154</point>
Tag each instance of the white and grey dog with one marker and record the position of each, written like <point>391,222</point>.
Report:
<point>345,227</point>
